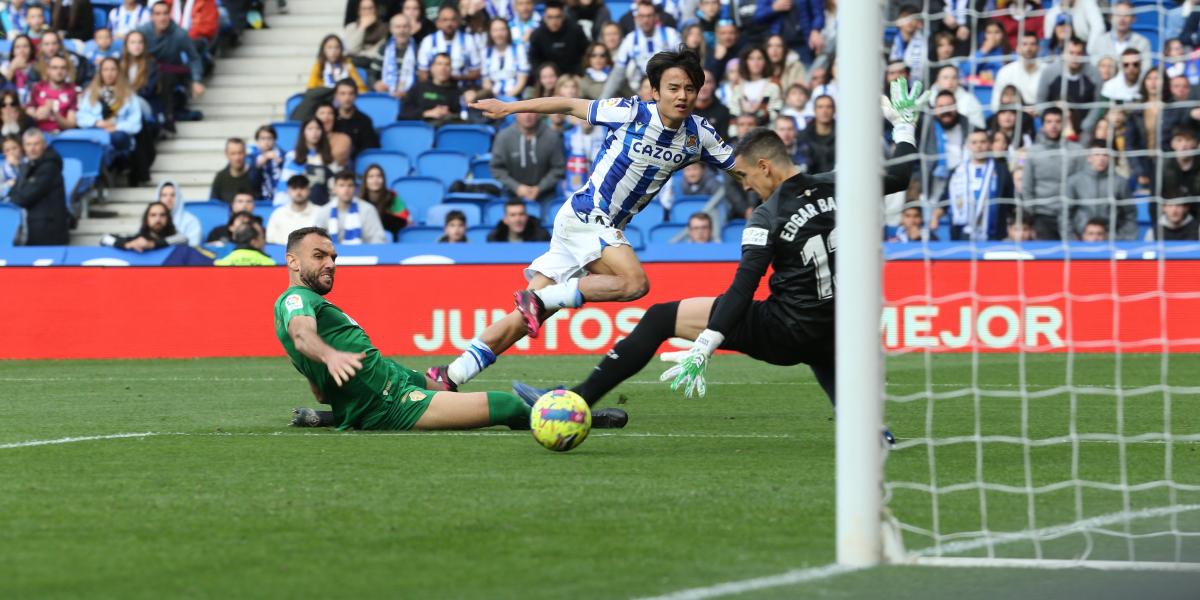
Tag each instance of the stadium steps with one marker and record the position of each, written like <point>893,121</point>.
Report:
<point>248,88</point>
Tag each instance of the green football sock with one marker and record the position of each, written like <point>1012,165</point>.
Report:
<point>507,409</point>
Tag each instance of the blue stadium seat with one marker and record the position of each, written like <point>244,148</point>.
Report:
<point>263,210</point>
<point>652,214</point>
<point>382,108</point>
<point>211,213</point>
<point>494,211</point>
<point>1143,213</point>
<point>292,102</point>
<point>1151,33</point>
<point>5,47</point>
<point>286,133</point>
<point>479,233</point>
<point>72,174</point>
<point>470,198</point>
<point>551,212</point>
<point>618,8</point>
<point>472,140</point>
<point>662,234</point>
<point>686,207</point>
<point>636,238</point>
<point>419,193</point>
<point>731,233</point>
<point>410,137</point>
<point>99,136</point>
<point>89,154</point>
<point>943,231</point>
<point>436,216</point>
<point>446,165</point>
<point>481,167</point>
<point>419,235</point>
<point>10,222</point>
<point>983,93</point>
<point>395,164</point>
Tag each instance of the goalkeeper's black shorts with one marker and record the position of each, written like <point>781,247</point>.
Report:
<point>765,334</point>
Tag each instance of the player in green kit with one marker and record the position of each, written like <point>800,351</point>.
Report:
<point>366,390</point>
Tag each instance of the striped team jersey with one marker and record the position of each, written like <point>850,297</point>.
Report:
<point>122,20</point>
<point>503,66</point>
<point>639,156</point>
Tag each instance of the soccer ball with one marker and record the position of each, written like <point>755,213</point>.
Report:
<point>560,420</point>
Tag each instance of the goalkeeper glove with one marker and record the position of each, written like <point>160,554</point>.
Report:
<point>689,373</point>
<point>901,109</point>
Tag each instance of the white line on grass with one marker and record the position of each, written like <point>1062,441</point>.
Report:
<point>730,588</point>
<point>70,440</point>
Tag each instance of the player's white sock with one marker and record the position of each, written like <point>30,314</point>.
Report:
<point>472,362</point>
<point>561,295</point>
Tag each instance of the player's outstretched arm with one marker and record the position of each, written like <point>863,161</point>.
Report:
<point>900,109</point>
<point>554,105</point>
<point>341,365</point>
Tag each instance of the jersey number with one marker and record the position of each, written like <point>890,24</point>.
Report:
<point>816,252</point>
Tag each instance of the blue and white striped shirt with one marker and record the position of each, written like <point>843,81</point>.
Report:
<point>399,69</point>
<point>639,156</point>
<point>122,20</point>
<point>503,66</point>
<point>464,54</point>
<point>637,47</point>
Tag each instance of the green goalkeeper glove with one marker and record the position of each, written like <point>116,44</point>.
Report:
<point>901,109</point>
<point>689,373</point>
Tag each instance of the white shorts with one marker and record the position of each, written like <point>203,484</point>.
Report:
<point>575,244</point>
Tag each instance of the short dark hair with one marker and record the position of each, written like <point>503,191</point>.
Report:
<point>344,176</point>
<point>450,6</point>
<point>1029,33</point>
<point>346,82</point>
<point>1075,41</point>
<point>265,129</point>
<point>945,93</point>
<point>455,215</point>
<point>553,4</point>
<point>1025,218</point>
<point>762,143</point>
<point>1098,143</point>
<point>681,58</point>
<point>514,202</point>
<point>245,234</point>
<point>237,215</point>
<point>295,237</point>
<point>1101,221</point>
<point>1053,110</point>
<point>1183,131</point>
<point>703,216</point>
<point>440,54</point>
<point>296,182</point>
<point>1130,50</point>
<point>235,140</point>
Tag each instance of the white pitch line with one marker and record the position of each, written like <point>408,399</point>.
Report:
<point>730,588</point>
<point>71,440</point>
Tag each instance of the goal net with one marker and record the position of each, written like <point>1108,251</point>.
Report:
<point>1040,321</point>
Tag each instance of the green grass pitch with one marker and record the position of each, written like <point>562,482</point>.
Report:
<point>226,501</point>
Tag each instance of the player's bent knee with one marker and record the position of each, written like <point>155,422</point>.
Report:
<point>634,287</point>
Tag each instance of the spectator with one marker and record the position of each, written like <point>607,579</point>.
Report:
<point>1150,116</point>
<point>1022,74</point>
<point>157,231</point>
<point>647,38</point>
<point>966,103</point>
<point>1114,43</point>
<point>185,222</point>
<point>50,46</point>
<point>785,126</point>
<point>597,68</point>
<point>393,212</point>
<point>517,225</point>
<point>909,43</point>
<point>558,40</point>
<point>463,52</point>
<point>399,59</point>
<point>547,79</point>
<point>1124,87</point>
<point>698,180</point>
<point>339,143</point>
<point>707,15</point>
<point>240,211</point>
<point>591,15</point>
<point>1083,15</point>
<point>313,158</point>
<point>1097,192</point>
<point>101,47</point>
<point>912,226</point>
<point>72,17</point>
<point>332,65</point>
<point>1106,67</point>
<point>795,99</point>
<point>235,178</point>
<point>35,20</point>
<point>1049,162</point>
<point>18,68</point>
<point>109,104</point>
<point>583,142</point>
<point>1076,85</point>
<point>14,157</point>
<point>129,16</point>
<point>819,140</point>
<point>1096,230</point>
<point>783,65</point>
<point>266,172</point>
<point>248,252</point>
<point>1177,222</point>
<point>1177,112</point>
<point>437,99</point>
<point>176,58</point>
<point>699,229</point>
<point>505,65</point>
<point>1014,125</point>
<point>943,145</point>
<point>1181,174</point>
<point>350,121</point>
<point>365,37</point>
<point>992,53</point>
<point>421,25</point>
<point>298,213</point>
<point>13,120</point>
<point>39,190</point>
<point>141,70</point>
<point>455,229</point>
<point>977,194</point>
<point>200,22</point>
<point>755,93</point>
<point>350,221</point>
<point>611,36</point>
<point>709,108</point>
<point>52,103</point>
<point>1021,228</point>
<point>527,158</point>
<point>524,21</point>
<point>12,17</point>
<point>1121,132</point>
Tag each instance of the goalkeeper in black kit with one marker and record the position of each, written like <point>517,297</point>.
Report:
<point>795,231</point>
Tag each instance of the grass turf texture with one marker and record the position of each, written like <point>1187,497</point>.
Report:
<point>694,492</point>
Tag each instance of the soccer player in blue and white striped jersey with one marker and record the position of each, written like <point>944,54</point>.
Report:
<point>646,144</point>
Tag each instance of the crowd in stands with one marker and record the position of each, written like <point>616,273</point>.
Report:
<point>1068,120</point>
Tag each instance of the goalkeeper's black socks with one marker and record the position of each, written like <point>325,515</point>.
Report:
<point>628,357</point>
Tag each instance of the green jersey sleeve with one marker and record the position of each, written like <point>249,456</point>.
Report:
<point>299,302</point>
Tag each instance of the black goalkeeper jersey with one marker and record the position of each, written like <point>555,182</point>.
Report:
<point>795,232</point>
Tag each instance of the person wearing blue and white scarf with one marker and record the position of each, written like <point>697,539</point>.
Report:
<point>974,193</point>
<point>12,18</point>
<point>505,65</point>
<point>943,145</point>
<point>399,59</point>
<point>266,163</point>
<point>499,9</point>
<point>125,18</point>
<point>349,220</point>
<point>523,21</point>
<point>647,39</point>
<point>464,54</point>
<point>10,167</point>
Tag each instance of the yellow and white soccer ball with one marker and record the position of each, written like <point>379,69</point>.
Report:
<point>560,420</point>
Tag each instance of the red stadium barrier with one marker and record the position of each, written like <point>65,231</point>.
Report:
<point>83,312</point>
